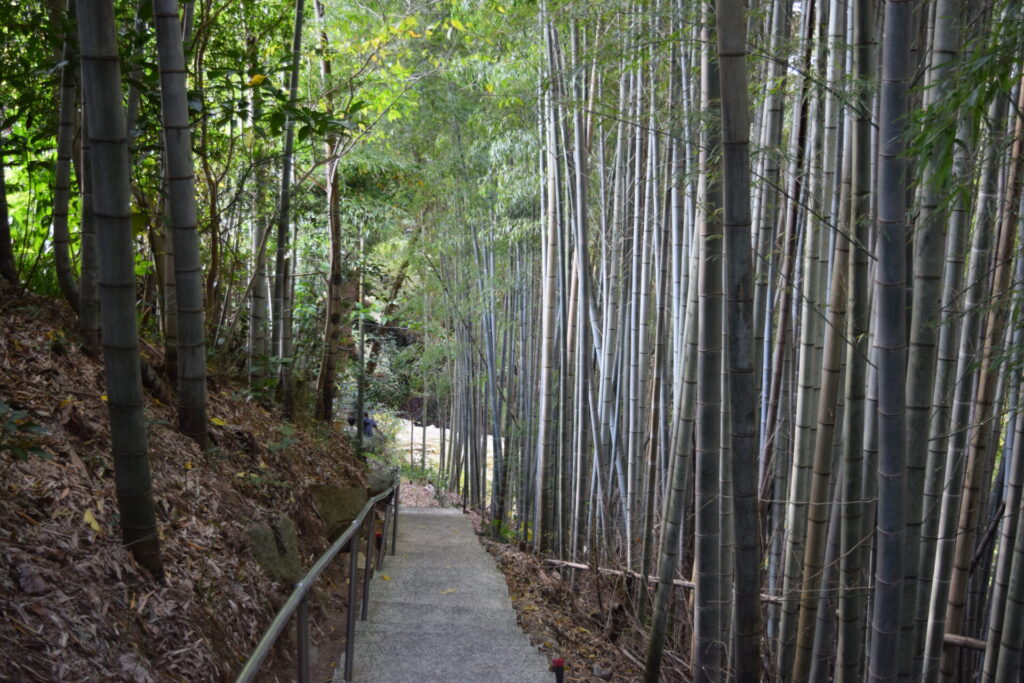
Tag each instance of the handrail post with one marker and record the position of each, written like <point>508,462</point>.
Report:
<point>302,633</point>
<point>371,523</point>
<point>394,527</point>
<point>350,617</point>
<point>381,548</point>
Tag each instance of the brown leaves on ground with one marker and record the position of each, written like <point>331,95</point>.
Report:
<point>569,621</point>
<point>75,604</point>
<point>415,495</point>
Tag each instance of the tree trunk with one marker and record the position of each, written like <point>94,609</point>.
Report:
<point>101,77</point>
<point>62,177</point>
<point>8,269</point>
<point>89,304</point>
<point>732,55</point>
<point>929,249</point>
<point>545,423</point>
<point>818,512</point>
<point>332,323</point>
<point>282,298</point>
<point>181,200</point>
<point>851,597</point>
<point>708,647</point>
<point>891,342</point>
<point>258,348</point>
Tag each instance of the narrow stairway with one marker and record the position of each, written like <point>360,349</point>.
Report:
<point>440,611</point>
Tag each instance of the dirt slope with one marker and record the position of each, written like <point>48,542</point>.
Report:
<point>75,605</point>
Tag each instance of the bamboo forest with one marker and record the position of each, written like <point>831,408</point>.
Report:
<point>716,308</point>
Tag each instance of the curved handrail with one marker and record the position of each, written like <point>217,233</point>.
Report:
<point>298,600</point>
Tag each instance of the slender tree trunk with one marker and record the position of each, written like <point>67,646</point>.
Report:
<point>258,345</point>
<point>332,324</point>
<point>545,421</point>
<point>181,199</point>
<point>585,344</point>
<point>766,213</point>
<point>708,646</point>
<point>732,54</point>
<point>89,304</point>
<point>62,177</point>
<point>929,248</point>
<point>282,298</point>
<point>101,76</point>
<point>851,596</point>
<point>8,269</point>
<point>891,342</point>
<point>818,512</point>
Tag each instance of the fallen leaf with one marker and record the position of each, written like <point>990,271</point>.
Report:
<point>90,519</point>
<point>385,577</point>
<point>216,420</point>
<point>448,591</point>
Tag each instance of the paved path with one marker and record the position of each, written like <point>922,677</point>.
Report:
<point>443,615</point>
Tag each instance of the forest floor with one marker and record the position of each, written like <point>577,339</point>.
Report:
<point>75,604</point>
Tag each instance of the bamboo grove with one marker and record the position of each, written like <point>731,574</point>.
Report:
<point>765,349</point>
<point>732,289</point>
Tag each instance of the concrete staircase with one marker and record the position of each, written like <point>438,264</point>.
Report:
<point>443,615</point>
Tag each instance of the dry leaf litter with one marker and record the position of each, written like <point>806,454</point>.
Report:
<point>76,606</point>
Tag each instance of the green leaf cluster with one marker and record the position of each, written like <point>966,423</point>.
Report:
<point>19,434</point>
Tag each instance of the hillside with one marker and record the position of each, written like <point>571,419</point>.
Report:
<point>77,607</point>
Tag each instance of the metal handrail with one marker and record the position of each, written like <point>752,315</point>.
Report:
<point>298,601</point>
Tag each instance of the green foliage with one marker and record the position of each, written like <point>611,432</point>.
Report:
<point>412,472</point>
<point>501,532</point>
<point>29,158</point>
<point>287,433</point>
<point>18,434</point>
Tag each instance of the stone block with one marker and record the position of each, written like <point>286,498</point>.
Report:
<point>276,549</point>
<point>337,506</point>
